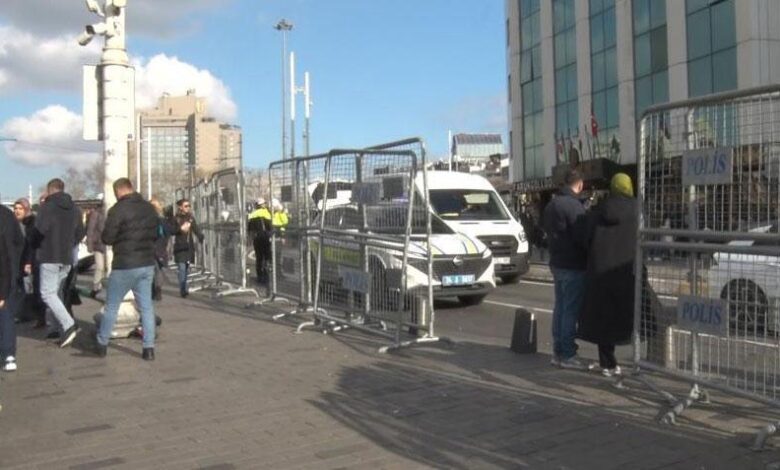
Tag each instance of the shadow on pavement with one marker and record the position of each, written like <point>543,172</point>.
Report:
<point>445,421</point>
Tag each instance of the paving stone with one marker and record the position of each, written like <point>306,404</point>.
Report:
<point>232,389</point>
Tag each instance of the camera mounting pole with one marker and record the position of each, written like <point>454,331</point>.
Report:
<point>109,112</point>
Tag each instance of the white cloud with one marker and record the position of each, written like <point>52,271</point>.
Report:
<point>164,74</point>
<point>156,18</point>
<point>50,136</point>
<point>29,62</point>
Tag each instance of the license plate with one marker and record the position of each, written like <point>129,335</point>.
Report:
<point>502,261</point>
<point>457,280</point>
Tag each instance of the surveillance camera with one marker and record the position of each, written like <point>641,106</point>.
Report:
<point>98,28</point>
<point>94,7</point>
<point>85,38</point>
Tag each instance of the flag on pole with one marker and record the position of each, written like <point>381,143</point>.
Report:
<point>594,125</point>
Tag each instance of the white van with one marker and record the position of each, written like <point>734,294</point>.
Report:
<point>469,204</point>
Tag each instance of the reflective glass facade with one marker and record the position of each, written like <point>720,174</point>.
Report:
<point>604,76</point>
<point>169,151</point>
<point>531,88</point>
<point>565,52</point>
<point>651,63</point>
<point>712,46</point>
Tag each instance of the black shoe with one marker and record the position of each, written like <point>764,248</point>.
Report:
<point>100,350</point>
<point>69,336</point>
<point>148,354</point>
<point>184,295</point>
<point>93,294</point>
<point>53,335</point>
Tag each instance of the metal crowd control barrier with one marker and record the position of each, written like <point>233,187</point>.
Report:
<point>708,258</point>
<point>201,275</point>
<point>373,269</point>
<point>294,184</point>
<point>229,229</point>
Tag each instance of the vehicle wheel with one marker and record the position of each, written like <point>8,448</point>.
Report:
<point>510,278</point>
<point>748,307</point>
<point>469,300</point>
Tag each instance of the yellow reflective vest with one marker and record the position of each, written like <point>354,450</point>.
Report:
<point>261,213</point>
<point>280,220</point>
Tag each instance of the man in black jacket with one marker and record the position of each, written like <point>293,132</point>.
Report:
<point>131,230</point>
<point>58,229</point>
<point>10,270</point>
<point>186,228</point>
<point>564,220</point>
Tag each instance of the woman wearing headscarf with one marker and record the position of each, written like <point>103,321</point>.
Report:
<point>608,310</point>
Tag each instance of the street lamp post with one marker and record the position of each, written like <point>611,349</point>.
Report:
<point>284,26</point>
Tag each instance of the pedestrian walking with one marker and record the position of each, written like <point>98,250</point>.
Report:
<point>164,232</point>
<point>607,318</point>
<point>30,307</point>
<point>260,226</point>
<point>58,230</point>
<point>564,220</point>
<point>95,223</point>
<point>10,273</point>
<point>131,230</point>
<point>185,230</point>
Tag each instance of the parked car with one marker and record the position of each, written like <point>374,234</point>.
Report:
<point>751,285</point>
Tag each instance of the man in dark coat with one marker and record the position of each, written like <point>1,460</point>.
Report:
<point>131,230</point>
<point>607,317</point>
<point>186,228</point>
<point>564,218</point>
<point>10,273</point>
<point>58,230</point>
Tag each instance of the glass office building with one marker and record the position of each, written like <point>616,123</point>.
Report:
<point>576,68</point>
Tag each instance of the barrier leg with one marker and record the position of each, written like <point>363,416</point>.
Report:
<point>761,437</point>
<point>670,417</point>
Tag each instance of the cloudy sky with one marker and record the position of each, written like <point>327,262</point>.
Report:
<point>381,70</point>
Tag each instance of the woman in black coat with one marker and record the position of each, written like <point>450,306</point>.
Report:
<point>607,318</point>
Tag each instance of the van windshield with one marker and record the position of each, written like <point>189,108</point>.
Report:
<point>463,204</point>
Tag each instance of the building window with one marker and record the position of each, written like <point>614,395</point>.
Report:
<point>651,78</point>
<point>531,89</point>
<point>604,79</point>
<point>565,45</point>
<point>712,51</point>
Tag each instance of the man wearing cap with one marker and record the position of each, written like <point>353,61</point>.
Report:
<point>260,227</point>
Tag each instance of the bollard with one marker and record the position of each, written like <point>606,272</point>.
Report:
<point>524,332</point>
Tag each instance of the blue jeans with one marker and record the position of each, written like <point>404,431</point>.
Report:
<point>569,293</point>
<point>184,269</point>
<point>120,282</point>
<point>7,325</point>
<point>52,279</point>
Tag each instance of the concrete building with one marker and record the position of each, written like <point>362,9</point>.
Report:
<point>575,64</point>
<point>181,144</point>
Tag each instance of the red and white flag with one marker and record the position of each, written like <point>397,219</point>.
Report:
<point>594,125</point>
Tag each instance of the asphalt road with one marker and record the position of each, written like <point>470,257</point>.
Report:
<point>492,321</point>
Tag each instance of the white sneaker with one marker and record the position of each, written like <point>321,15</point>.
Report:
<point>10,364</point>
<point>612,372</point>
<point>575,363</point>
<point>555,361</point>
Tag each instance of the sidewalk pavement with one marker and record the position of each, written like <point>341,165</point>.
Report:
<point>233,389</point>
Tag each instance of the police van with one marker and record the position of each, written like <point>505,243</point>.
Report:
<point>469,204</point>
